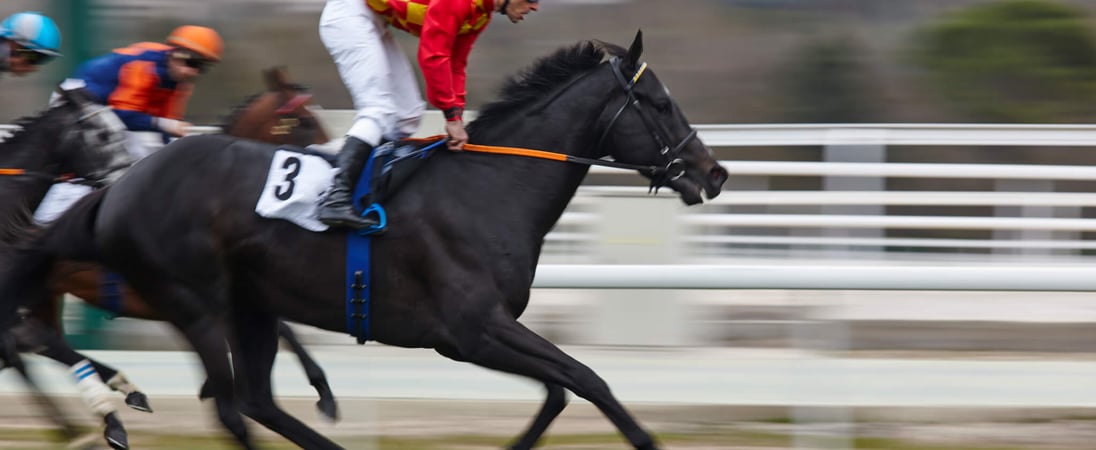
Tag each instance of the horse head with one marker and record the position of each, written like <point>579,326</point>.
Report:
<point>278,116</point>
<point>649,129</point>
<point>92,140</point>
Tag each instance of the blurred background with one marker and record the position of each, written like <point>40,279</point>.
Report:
<point>936,155</point>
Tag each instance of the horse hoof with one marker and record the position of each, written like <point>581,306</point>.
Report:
<point>115,433</point>
<point>138,401</point>
<point>205,393</point>
<point>328,409</point>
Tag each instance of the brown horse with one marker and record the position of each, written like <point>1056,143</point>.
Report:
<point>280,116</point>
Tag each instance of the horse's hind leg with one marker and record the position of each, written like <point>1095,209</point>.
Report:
<point>327,405</point>
<point>253,356</point>
<point>501,343</point>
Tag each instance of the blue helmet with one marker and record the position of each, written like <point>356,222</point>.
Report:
<point>32,30</point>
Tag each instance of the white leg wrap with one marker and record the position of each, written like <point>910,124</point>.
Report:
<point>91,387</point>
<point>120,383</point>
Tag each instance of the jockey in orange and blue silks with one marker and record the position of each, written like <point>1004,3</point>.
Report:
<point>148,84</point>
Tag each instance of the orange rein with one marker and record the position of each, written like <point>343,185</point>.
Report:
<point>501,150</point>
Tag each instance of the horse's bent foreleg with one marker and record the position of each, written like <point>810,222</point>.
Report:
<point>316,377</point>
<point>257,345</point>
<point>501,343</point>
<point>9,357</point>
<point>92,390</point>
<point>83,281</point>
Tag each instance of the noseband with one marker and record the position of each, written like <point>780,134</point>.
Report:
<point>675,166</point>
<point>287,121</point>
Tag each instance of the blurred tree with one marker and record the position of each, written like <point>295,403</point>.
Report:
<point>1013,61</point>
<point>825,83</point>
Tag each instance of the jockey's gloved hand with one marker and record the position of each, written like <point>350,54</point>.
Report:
<point>176,128</point>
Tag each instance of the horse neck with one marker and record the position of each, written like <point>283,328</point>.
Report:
<point>32,150</point>
<point>539,190</point>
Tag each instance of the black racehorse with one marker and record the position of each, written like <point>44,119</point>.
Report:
<point>41,154</point>
<point>453,273</point>
<point>74,138</point>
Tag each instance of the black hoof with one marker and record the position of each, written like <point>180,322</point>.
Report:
<point>328,409</point>
<point>204,392</point>
<point>138,401</point>
<point>115,433</point>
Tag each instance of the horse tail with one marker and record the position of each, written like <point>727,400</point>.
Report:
<point>25,276</point>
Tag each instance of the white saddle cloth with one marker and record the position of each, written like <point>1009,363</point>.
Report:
<point>293,188</point>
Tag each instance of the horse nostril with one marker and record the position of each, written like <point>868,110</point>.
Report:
<point>717,176</point>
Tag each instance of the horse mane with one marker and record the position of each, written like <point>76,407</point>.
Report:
<point>24,124</point>
<point>544,77</point>
<point>238,111</point>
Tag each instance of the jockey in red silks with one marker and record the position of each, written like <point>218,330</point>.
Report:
<point>148,84</point>
<point>383,84</point>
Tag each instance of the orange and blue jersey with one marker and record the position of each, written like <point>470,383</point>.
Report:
<point>446,30</point>
<point>134,82</point>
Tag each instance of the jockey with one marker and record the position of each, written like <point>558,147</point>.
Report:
<point>148,84</point>
<point>383,84</point>
<point>27,41</point>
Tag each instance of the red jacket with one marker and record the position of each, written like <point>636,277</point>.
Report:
<point>446,30</point>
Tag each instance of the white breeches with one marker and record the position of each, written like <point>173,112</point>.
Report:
<point>374,69</point>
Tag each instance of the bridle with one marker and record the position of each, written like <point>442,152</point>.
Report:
<point>287,122</point>
<point>660,175</point>
<point>675,166</point>
<point>97,181</point>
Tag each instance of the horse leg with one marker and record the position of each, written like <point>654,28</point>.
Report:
<point>92,390</point>
<point>316,377</point>
<point>9,357</point>
<point>49,313</point>
<point>256,335</point>
<point>502,343</point>
<point>554,402</point>
<point>208,337</point>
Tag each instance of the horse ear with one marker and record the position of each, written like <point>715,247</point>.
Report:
<point>636,49</point>
<point>276,78</point>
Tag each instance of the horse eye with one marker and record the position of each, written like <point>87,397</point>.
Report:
<point>664,107</point>
<point>104,135</point>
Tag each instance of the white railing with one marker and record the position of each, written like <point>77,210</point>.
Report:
<point>734,220</point>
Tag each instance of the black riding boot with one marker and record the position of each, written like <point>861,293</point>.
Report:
<point>337,207</point>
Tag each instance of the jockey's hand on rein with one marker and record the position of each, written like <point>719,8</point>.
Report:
<point>457,135</point>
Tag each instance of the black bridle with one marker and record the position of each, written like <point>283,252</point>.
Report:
<point>675,166</point>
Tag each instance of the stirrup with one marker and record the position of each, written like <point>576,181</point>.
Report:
<point>382,220</point>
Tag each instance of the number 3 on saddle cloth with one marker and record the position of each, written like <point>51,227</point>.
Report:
<point>296,182</point>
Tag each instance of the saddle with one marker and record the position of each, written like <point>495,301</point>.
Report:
<point>298,177</point>
<point>391,165</point>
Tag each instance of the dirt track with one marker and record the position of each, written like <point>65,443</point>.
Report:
<point>491,424</point>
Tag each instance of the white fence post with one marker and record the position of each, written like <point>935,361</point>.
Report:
<point>639,230</point>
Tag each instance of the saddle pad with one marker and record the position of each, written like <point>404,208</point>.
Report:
<point>60,197</point>
<point>293,188</point>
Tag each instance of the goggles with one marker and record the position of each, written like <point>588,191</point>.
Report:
<point>32,57</point>
<point>194,61</point>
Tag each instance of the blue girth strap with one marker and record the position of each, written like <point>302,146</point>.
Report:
<point>110,291</point>
<point>357,265</point>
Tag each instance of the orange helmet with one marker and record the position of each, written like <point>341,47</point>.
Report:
<point>201,40</point>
